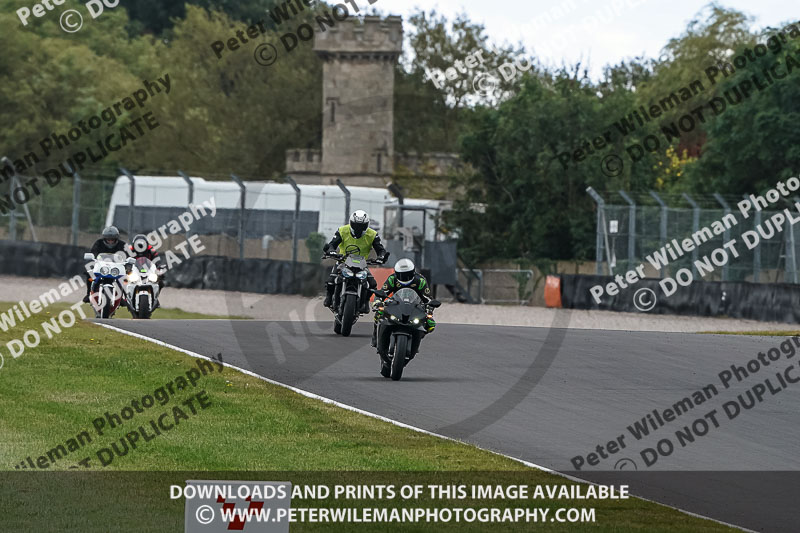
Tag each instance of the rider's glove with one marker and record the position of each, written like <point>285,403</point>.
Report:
<point>384,257</point>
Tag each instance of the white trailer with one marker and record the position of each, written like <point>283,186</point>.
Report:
<point>327,200</point>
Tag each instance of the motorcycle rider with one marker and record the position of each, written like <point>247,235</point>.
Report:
<point>108,243</point>
<point>405,276</point>
<point>139,247</point>
<point>356,233</point>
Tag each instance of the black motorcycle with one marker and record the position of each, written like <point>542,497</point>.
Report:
<point>350,300</point>
<point>401,329</point>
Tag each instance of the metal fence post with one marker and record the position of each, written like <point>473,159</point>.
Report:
<point>190,185</point>
<point>727,234</point>
<point>601,204</point>
<point>12,214</point>
<point>757,249</point>
<point>398,192</point>
<point>791,253</point>
<point>132,202</point>
<point>239,182</point>
<point>663,236</point>
<point>346,192</point>
<point>631,228</point>
<point>12,182</point>
<point>295,222</point>
<point>76,205</point>
<point>695,228</point>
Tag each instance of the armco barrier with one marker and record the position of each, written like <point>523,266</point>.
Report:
<point>771,302</point>
<point>47,260</point>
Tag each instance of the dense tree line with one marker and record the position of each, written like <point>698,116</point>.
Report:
<point>229,114</point>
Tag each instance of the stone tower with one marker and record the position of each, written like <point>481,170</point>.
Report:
<point>357,103</point>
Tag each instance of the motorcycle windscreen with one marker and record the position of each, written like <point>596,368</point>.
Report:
<point>407,296</point>
<point>111,258</point>
<point>143,264</point>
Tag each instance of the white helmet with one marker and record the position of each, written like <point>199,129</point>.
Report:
<point>359,222</point>
<point>404,271</point>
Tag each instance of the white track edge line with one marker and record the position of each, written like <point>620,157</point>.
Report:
<point>397,423</point>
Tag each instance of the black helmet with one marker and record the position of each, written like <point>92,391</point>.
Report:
<point>110,236</point>
<point>359,222</point>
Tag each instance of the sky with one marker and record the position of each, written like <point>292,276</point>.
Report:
<point>595,32</point>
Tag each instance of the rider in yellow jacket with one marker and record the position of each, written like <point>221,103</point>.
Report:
<point>356,235</point>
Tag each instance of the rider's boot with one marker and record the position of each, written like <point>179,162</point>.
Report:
<point>329,296</point>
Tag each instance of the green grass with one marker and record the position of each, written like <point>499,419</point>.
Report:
<point>54,391</point>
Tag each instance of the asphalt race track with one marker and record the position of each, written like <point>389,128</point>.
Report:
<point>550,395</point>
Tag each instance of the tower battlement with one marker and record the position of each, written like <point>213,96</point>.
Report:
<point>374,37</point>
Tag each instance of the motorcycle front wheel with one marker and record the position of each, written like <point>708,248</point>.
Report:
<point>144,306</point>
<point>348,314</point>
<point>399,358</point>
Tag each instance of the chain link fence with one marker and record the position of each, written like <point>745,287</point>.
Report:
<point>634,227</point>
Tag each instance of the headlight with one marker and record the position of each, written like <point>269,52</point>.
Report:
<point>115,271</point>
<point>393,317</point>
<point>153,277</point>
<point>416,321</point>
<point>361,274</point>
<point>104,270</point>
<point>346,272</point>
<point>134,276</point>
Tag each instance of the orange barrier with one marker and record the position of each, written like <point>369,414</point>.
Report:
<point>380,275</point>
<point>552,291</point>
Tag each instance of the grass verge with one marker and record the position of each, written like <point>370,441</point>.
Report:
<point>52,393</point>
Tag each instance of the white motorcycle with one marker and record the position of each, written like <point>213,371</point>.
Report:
<point>142,289</point>
<point>106,292</point>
